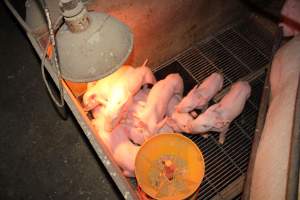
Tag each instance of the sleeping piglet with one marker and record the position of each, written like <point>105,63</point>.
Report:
<point>116,91</point>
<point>201,94</point>
<point>219,116</point>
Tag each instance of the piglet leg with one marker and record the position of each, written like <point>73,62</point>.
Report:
<point>222,136</point>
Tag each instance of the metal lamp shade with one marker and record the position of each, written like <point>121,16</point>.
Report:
<point>96,52</point>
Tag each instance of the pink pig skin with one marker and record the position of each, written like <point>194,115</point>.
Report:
<point>116,96</point>
<point>152,118</point>
<point>130,82</point>
<point>122,149</point>
<point>97,111</point>
<point>177,121</point>
<point>130,85</point>
<point>174,101</point>
<point>219,116</point>
<point>135,133</point>
<point>200,95</point>
<point>141,75</point>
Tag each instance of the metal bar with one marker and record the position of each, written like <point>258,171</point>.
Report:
<point>262,53</point>
<point>234,189</point>
<point>213,187</point>
<point>221,182</point>
<point>224,152</point>
<point>213,64</point>
<point>236,45</point>
<point>242,130</point>
<point>250,77</point>
<point>187,70</point>
<point>232,54</point>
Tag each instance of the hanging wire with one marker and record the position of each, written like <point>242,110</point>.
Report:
<point>59,102</point>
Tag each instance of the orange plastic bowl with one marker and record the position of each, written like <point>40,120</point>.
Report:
<point>169,166</point>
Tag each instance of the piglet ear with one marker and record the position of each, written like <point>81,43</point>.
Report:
<point>194,114</point>
<point>145,63</point>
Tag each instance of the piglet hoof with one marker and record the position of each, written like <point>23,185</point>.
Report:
<point>222,138</point>
<point>194,114</point>
<point>205,136</point>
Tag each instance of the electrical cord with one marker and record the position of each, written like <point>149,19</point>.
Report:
<point>59,102</point>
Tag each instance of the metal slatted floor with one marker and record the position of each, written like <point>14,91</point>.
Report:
<point>239,52</point>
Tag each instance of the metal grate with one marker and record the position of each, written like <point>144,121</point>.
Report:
<point>240,51</point>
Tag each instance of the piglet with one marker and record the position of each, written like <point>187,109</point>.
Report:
<point>200,95</point>
<point>153,116</point>
<point>116,91</point>
<point>219,116</point>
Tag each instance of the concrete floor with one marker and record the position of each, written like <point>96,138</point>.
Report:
<point>41,155</point>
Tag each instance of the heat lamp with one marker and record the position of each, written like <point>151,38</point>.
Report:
<point>87,47</point>
<point>90,45</point>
